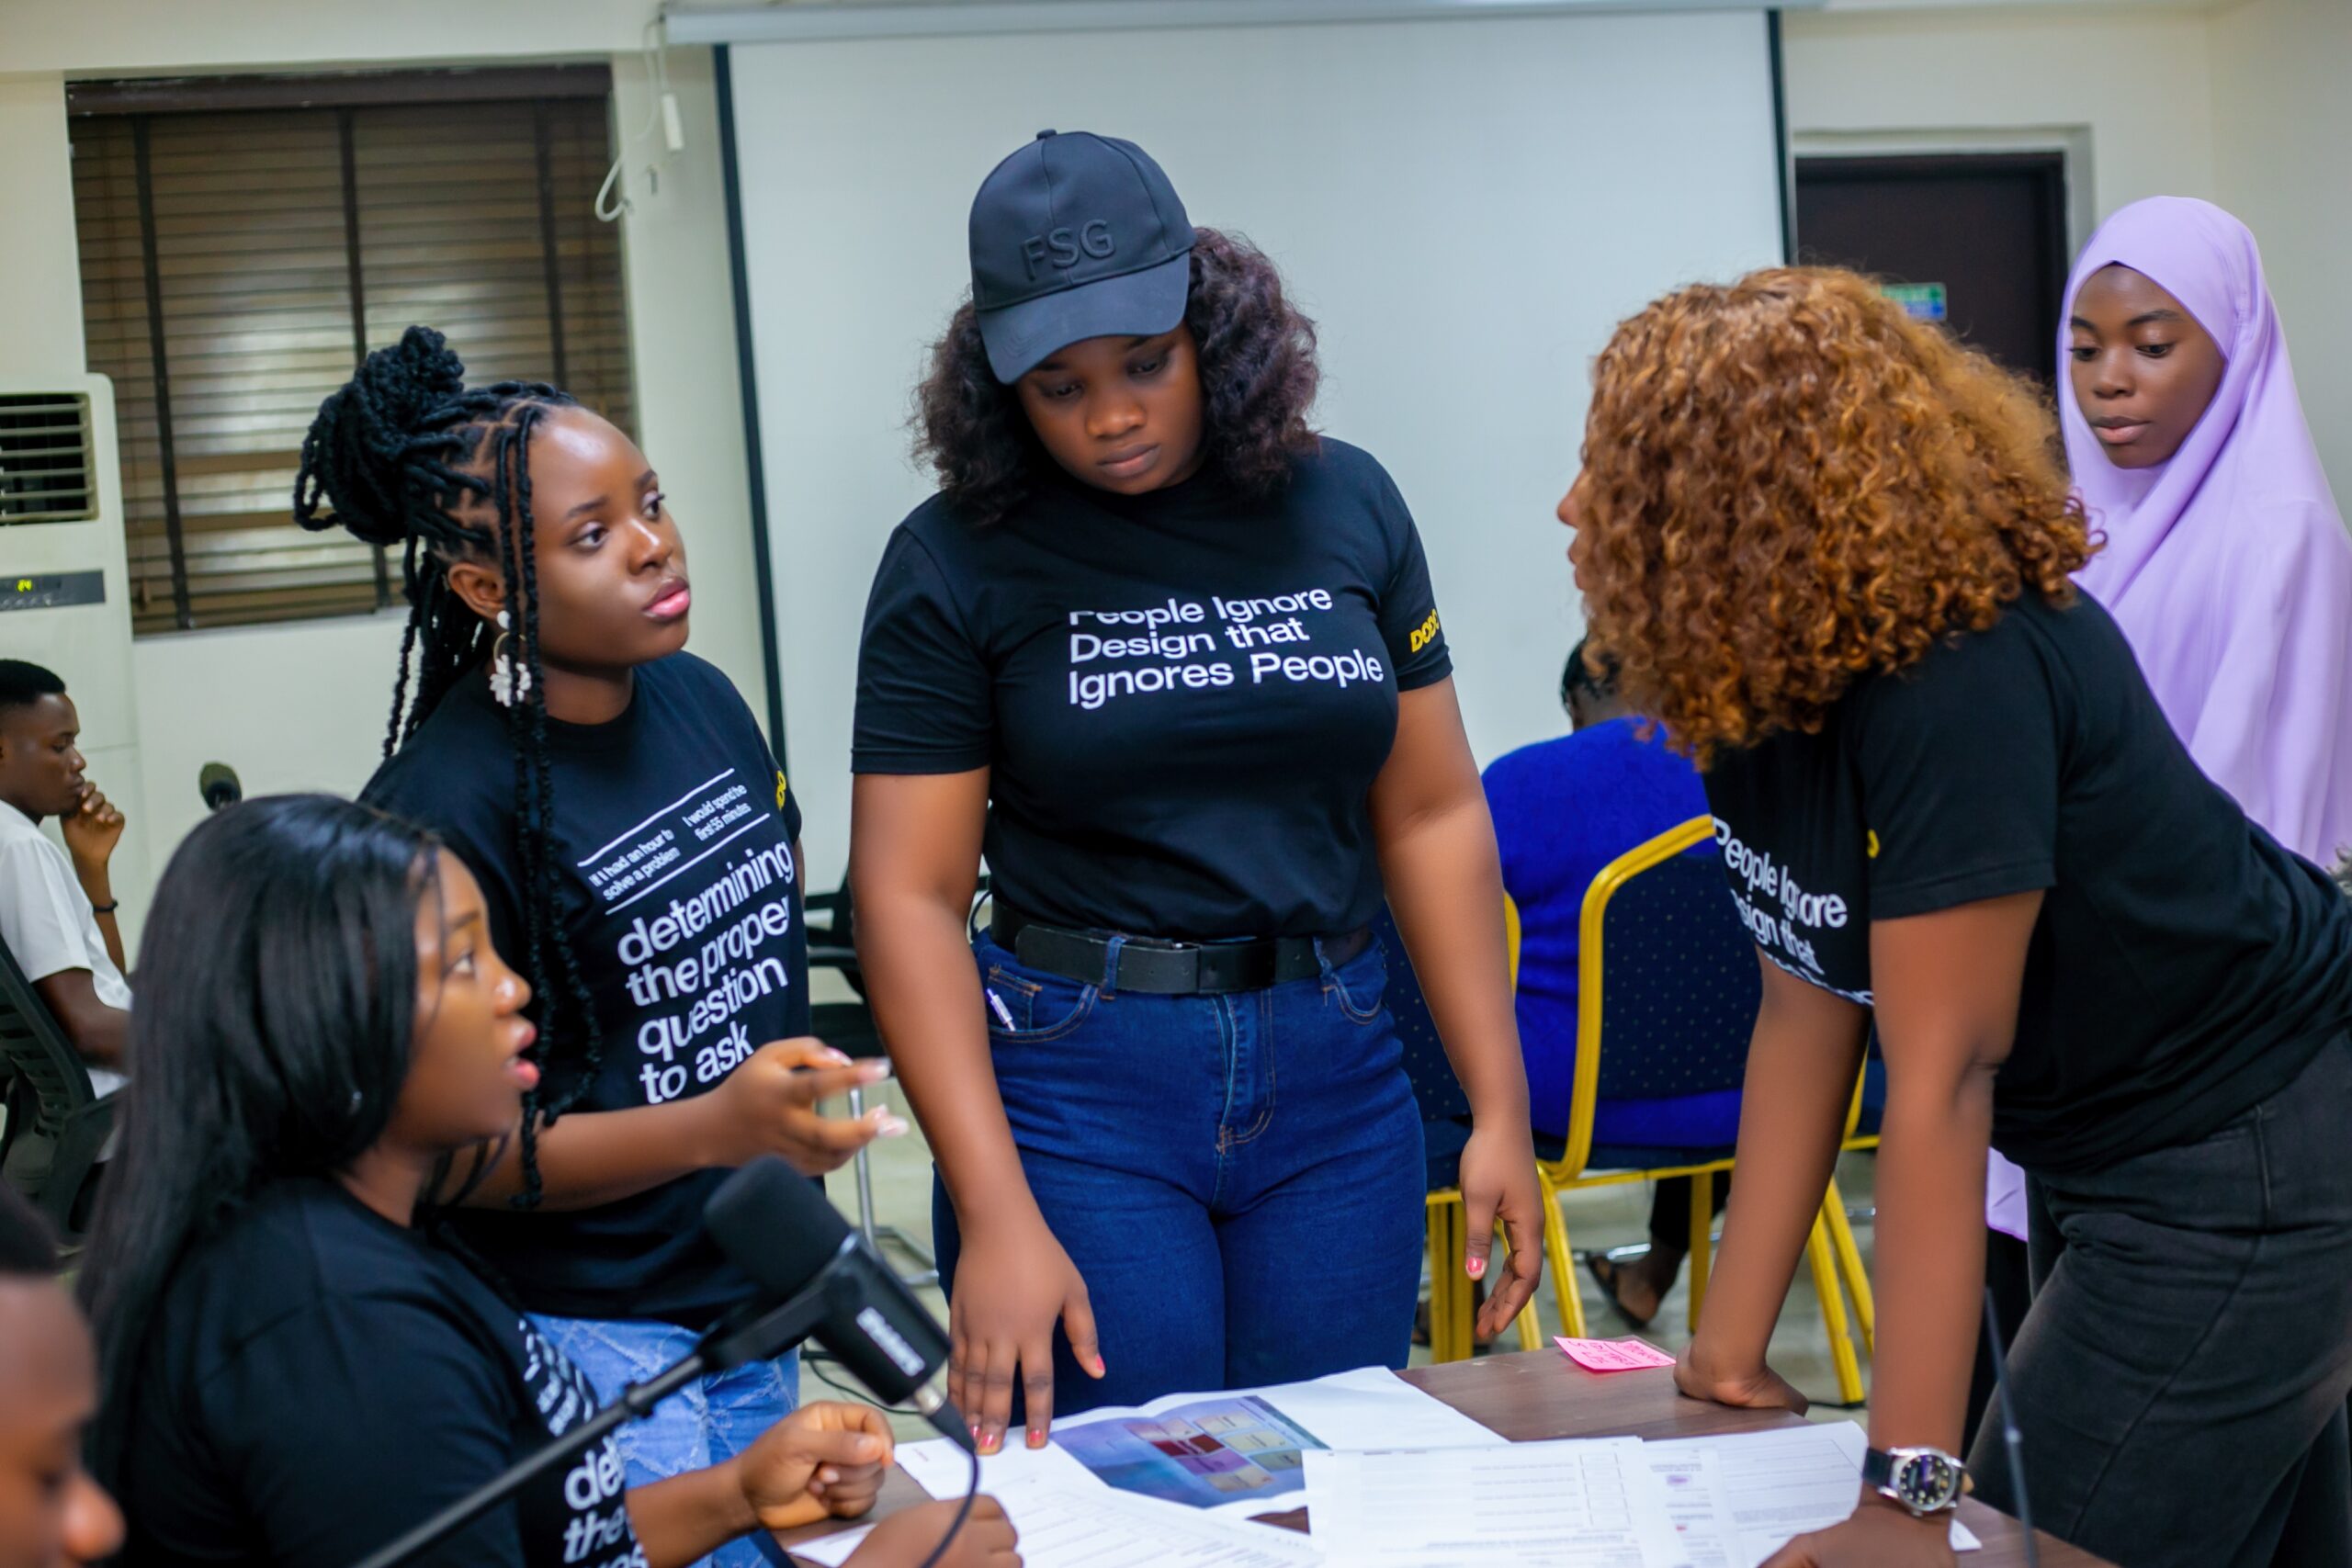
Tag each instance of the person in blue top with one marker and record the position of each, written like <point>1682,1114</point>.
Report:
<point>1564,809</point>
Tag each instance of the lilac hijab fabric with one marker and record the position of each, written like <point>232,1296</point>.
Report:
<point>2228,566</point>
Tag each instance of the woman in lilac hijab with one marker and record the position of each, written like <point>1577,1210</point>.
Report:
<point>2226,561</point>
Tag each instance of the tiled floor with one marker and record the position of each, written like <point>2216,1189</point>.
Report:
<point>1603,1217</point>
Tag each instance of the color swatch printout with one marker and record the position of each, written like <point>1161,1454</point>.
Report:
<point>1229,1449</point>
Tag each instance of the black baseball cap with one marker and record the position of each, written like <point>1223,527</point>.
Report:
<point>1076,236</point>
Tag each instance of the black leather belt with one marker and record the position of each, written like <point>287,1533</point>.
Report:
<point>1170,968</point>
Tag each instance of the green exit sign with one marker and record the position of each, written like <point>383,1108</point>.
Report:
<point>1920,301</point>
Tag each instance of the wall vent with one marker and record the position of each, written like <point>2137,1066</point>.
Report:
<point>47,467</point>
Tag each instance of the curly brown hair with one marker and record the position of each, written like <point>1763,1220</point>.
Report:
<point>1258,380</point>
<point>1790,484</point>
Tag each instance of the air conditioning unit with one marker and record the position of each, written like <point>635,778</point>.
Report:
<point>64,575</point>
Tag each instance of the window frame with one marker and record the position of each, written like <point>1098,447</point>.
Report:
<point>142,101</point>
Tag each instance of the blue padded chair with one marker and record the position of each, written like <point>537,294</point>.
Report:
<point>1444,1105</point>
<point>1446,1128</point>
<point>1667,982</point>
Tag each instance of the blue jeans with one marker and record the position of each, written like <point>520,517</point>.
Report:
<point>1239,1178</point>
<point>699,1426</point>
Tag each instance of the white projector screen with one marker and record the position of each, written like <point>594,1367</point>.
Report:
<point>1466,208</point>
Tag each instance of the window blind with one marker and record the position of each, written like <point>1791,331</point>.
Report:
<point>236,265</point>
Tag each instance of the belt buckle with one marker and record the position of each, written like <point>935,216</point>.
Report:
<point>1228,967</point>
<point>1196,950</point>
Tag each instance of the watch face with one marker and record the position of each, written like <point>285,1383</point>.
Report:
<point>1925,1481</point>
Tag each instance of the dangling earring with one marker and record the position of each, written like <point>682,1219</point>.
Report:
<point>509,682</point>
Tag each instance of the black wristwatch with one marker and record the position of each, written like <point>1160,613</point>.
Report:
<point>1923,1481</point>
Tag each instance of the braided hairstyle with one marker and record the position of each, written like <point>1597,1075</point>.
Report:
<point>404,454</point>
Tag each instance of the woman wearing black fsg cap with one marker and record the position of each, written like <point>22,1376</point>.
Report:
<point>1172,661</point>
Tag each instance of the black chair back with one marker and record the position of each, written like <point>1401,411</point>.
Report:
<point>58,1124</point>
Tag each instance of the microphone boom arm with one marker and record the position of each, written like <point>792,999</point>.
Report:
<point>730,1343</point>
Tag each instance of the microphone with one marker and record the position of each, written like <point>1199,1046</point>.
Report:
<point>774,1224</point>
<point>216,782</point>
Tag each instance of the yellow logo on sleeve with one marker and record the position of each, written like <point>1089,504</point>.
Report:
<point>1873,842</point>
<point>1424,635</point>
<point>781,787</point>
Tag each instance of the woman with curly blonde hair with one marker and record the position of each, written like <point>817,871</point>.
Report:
<point>1829,549</point>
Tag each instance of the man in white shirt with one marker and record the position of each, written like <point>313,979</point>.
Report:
<point>56,912</point>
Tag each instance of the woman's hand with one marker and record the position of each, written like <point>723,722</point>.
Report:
<point>907,1538</point>
<point>824,1459</point>
<point>1499,1182</point>
<point>768,1106</point>
<point>1880,1535</point>
<point>1702,1373</point>
<point>1013,1282</point>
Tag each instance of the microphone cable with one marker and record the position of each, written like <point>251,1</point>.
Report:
<point>817,1361</point>
<point>963,1512</point>
<point>2011,1439</point>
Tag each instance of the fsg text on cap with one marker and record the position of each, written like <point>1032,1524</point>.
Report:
<point>1076,236</point>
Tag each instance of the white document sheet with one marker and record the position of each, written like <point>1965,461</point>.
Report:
<point>1704,1533</point>
<point>1572,1503</point>
<point>1769,1486</point>
<point>1229,1455</point>
<point>1102,1528</point>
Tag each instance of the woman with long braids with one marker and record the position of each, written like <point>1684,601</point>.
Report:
<point>635,844</point>
<point>1174,663</point>
<point>298,1362</point>
<point>1831,550</point>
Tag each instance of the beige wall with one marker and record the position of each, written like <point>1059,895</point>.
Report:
<point>2282,161</point>
<point>290,708</point>
<point>682,311</point>
<point>2130,85</point>
<point>304,706</point>
<point>40,280</point>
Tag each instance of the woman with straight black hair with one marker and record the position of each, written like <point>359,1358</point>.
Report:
<point>298,1365</point>
<point>637,846</point>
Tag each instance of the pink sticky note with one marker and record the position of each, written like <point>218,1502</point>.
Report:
<point>1613,1354</point>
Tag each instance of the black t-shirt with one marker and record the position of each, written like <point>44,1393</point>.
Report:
<point>1182,698</point>
<point>318,1381</point>
<point>2184,967</point>
<point>675,878</point>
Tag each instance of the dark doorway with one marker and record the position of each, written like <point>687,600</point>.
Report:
<point>1976,240</point>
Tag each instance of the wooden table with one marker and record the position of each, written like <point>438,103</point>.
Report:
<point>1541,1394</point>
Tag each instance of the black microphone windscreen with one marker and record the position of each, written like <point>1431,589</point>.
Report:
<point>773,1224</point>
<point>217,783</point>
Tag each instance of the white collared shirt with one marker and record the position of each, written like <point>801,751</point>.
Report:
<point>47,922</point>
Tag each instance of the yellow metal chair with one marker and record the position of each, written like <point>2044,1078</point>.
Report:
<point>1842,1230</point>
<point>1831,1239</point>
<point>1452,1300</point>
